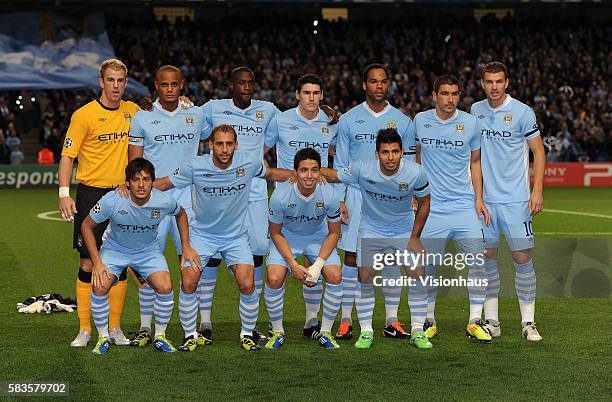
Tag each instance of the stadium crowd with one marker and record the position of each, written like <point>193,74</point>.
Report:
<point>560,70</point>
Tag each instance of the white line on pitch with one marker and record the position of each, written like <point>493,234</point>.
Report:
<point>47,216</point>
<point>574,233</point>
<point>560,211</point>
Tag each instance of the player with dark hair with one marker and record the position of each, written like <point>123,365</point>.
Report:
<point>304,221</point>
<point>132,241</point>
<point>448,147</point>
<point>387,223</point>
<point>305,126</point>
<point>509,129</point>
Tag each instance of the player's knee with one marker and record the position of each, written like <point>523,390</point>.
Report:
<point>491,254</point>
<point>84,276</point>
<point>246,288</point>
<point>350,259</point>
<point>334,277</point>
<point>189,284</point>
<point>99,290</point>
<point>258,260</point>
<point>213,262</point>
<point>164,288</point>
<point>188,288</point>
<point>366,275</point>
<point>415,272</point>
<point>521,256</point>
<point>275,281</point>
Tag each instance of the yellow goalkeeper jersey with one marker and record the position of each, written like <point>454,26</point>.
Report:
<point>98,136</point>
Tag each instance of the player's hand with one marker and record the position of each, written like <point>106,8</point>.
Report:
<point>146,104</point>
<point>293,178</point>
<point>185,102</point>
<point>536,203</point>
<point>332,115</point>
<point>415,203</point>
<point>300,273</point>
<point>99,273</point>
<point>192,257</point>
<point>416,246</point>
<point>67,208</point>
<point>322,180</point>
<point>481,210</point>
<point>344,214</point>
<point>123,191</point>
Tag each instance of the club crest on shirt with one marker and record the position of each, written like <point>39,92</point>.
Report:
<point>240,172</point>
<point>259,115</point>
<point>189,120</point>
<point>459,128</point>
<point>155,214</point>
<point>325,131</point>
<point>508,118</point>
<point>127,116</point>
<point>403,186</point>
<point>391,124</point>
<point>320,205</point>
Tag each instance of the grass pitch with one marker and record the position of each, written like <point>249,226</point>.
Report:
<point>572,362</point>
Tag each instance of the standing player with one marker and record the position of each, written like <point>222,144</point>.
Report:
<point>448,147</point>
<point>221,182</point>
<point>168,136</point>
<point>356,141</point>
<point>303,126</point>
<point>509,130</point>
<point>132,241</point>
<point>249,118</point>
<point>297,227</point>
<point>98,137</point>
<point>387,186</point>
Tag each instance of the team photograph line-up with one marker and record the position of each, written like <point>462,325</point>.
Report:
<point>397,185</point>
<point>292,200</point>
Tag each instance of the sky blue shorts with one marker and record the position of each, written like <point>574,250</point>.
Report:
<point>308,246</point>
<point>145,263</point>
<point>514,221</point>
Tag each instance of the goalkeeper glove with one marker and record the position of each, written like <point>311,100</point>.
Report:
<point>33,308</point>
<point>55,305</point>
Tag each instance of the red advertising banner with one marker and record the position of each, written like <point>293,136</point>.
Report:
<point>576,174</point>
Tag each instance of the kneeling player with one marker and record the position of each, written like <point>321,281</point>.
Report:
<point>132,241</point>
<point>297,217</point>
<point>387,186</point>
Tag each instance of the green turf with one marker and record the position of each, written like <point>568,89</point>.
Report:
<point>573,361</point>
